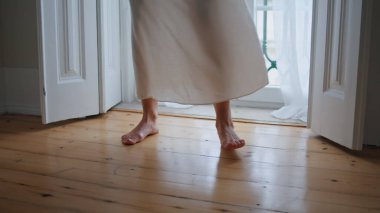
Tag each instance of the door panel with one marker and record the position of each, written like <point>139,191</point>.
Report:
<point>68,59</point>
<point>335,59</point>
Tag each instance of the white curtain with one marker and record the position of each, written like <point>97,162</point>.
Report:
<point>292,28</point>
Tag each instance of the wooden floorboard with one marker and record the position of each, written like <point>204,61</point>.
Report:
<point>80,165</point>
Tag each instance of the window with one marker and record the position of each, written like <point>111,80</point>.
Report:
<point>270,96</point>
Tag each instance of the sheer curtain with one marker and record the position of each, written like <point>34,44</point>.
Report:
<point>292,26</point>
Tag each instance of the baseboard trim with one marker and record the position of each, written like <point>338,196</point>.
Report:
<point>20,109</point>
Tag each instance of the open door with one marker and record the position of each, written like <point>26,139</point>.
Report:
<point>336,97</point>
<point>68,59</point>
<point>109,53</point>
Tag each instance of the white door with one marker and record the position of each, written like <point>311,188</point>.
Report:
<point>109,51</point>
<point>68,59</point>
<point>335,92</point>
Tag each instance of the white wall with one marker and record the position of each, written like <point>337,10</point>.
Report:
<point>19,57</point>
<point>372,126</point>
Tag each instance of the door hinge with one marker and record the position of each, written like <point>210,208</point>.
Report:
<point>44,91</point>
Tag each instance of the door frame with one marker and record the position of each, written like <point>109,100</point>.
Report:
<point>361,94</point>
<point>109,54</point>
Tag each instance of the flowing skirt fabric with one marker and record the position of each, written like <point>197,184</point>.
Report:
<point>195,51</point>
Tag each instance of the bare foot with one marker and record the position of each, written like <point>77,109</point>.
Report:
<point>228,138</point>
<point>140,132</point>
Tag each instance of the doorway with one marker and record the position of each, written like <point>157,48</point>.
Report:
<point>341,44</point>
<point>257,107</point>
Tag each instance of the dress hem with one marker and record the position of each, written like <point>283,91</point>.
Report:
<point>205,102</point>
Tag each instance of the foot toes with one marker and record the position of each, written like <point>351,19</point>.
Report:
<point>241,142</point>
<point>130,140</point>
<point>235,144</point>
<point>127,142</point>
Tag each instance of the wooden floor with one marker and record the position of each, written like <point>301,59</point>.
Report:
<point>81,166</point>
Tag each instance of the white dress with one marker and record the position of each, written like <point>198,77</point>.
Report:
<point>195,51</point>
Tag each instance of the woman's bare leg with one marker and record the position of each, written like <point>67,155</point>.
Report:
<point>228,138</point>
<point>147,125</point>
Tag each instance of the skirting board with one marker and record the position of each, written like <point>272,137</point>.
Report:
<point>20,109</point>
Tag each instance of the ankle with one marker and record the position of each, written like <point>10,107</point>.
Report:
<point>150,117</point>
<point>221,124</point>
